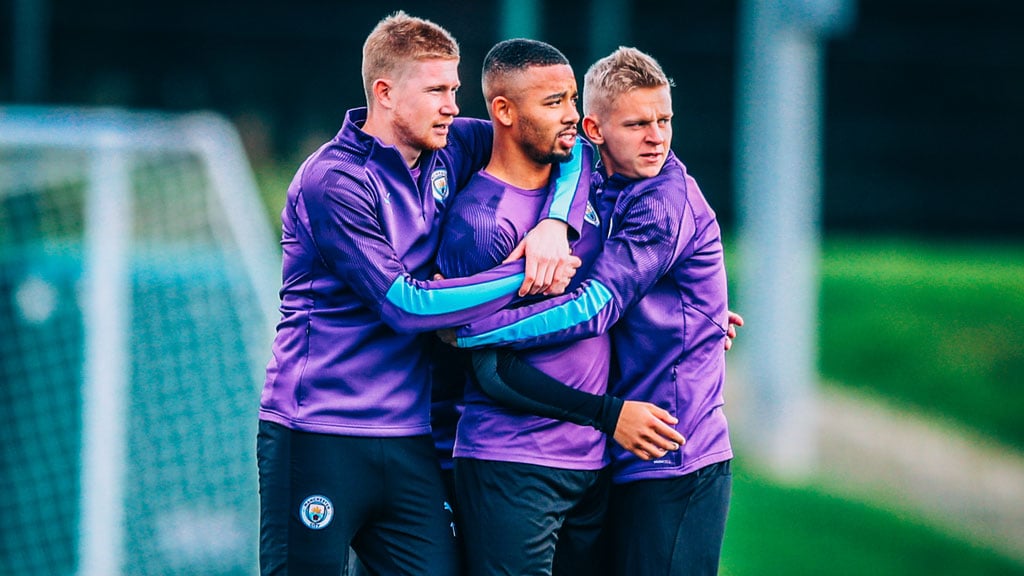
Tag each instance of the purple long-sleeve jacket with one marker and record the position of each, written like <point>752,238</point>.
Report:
<point>661,280</point>
<point>489,218</point>
<point>359,235</point>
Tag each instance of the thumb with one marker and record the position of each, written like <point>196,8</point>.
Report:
<point>518,252</point>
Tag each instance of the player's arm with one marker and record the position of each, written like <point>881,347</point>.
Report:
<point>346,231</point>
<point>637,254</point>
<point>640,427</point>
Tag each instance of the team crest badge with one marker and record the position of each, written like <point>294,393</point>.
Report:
<point>590,215</point>
<point>439,185</point>
<point>316,512</point>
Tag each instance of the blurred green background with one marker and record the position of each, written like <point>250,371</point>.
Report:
<point>922,272</point>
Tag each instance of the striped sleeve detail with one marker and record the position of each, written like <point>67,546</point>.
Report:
<point>566,185</point>
<point>413,299</point>
<point>567,315</point>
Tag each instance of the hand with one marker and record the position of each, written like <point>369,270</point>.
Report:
<point>550,264</point>
<point>646,430</point>
<point>734,321</point>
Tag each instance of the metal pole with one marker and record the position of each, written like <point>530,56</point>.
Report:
<point>107,314</point>
<point>778,174</point>
<point>519,19</point>
<point>610,21</point>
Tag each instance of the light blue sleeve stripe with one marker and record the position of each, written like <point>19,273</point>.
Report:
<point>566,183</point>
<point>414,300</point>
<point>566,315</point>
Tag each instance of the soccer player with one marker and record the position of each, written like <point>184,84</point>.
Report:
<point>344,448</point>
<point>661,280</point>
<point>531,491</point>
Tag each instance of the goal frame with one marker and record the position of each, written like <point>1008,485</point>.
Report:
<point>110,136</point>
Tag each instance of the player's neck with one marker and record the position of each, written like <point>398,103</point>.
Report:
<point>383,130</point>
<point>509,164</point>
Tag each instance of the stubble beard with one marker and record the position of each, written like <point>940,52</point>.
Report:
<point>549,155</point>
<point>422,142</point>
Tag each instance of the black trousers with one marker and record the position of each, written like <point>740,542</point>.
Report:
<point>531,520</point>
<point>321,494</point>
<point>671,527</point>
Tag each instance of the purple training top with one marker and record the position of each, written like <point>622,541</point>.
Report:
<point>662,277</point>
<point>485,223</point>
<point>359,237</point>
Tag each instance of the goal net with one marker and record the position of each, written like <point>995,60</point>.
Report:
<point>138,280</point>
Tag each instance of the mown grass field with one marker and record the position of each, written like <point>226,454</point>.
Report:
<point>936,327</point>
<point>780,531</point>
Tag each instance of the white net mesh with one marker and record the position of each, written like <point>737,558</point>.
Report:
<point>199,264</point>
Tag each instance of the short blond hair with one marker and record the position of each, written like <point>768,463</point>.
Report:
<point>400,39</point>
<point>621,71</point>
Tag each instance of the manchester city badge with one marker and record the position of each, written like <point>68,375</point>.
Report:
<point>439,185</point>
<point>316,512</point>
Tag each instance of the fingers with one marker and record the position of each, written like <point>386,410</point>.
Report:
<point>735,319</point>
<point>646,430</point>
<point>549,276</point>
<point>540,274</point>
<point>546,247</point>
<point>730,332</point>
<point>529,280</point>
<point>653,449</point>
<point>564,273</point>
<point>545,276</point>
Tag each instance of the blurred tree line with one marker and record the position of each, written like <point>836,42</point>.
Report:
<point>924,100</point>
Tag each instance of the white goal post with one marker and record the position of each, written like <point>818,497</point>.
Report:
<point>138,294</point>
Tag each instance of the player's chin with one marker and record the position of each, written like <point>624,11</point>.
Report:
<point>560,154</point>
<point>647,172</point>
<point>435,142</point>
<point>649,168</point>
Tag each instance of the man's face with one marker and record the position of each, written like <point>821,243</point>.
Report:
<point>635,134</point>
<point>425,106</point>
<point>546,113</point>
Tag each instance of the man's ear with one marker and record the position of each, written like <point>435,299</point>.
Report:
<point>592,130</point>
<point>382,92</point>
<point>503,111</point>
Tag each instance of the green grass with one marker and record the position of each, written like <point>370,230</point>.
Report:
<point>936,327</point>
<point>775,530</point>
